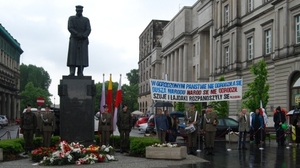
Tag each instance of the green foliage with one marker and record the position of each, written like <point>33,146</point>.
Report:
<point>31,93</point>
<point>34,82</point>
<point>198,107</point>
<point>133,77</point>
<point>180,106</point>
<point>130,96</point>
<point>138,145</point>
<point>11,146</point>
<point>221,107</point>
<point>258,89</point>
<point>37,75</point>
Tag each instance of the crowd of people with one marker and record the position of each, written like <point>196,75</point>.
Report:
<point>42,124</point>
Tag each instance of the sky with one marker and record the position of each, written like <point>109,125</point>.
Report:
<point>40,26</point>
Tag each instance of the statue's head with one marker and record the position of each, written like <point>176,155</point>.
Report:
<point>79,9</point>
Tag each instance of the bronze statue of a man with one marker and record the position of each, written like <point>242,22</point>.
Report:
<point>80,29</point>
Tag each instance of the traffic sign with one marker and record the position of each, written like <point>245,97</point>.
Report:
<point>40,101</point>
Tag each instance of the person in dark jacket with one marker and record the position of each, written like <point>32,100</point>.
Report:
<point>166,112</point>
<point>28,125</point>
<point>279,119</point>
<point>161,125</point>
<point>124,124</point>
<point>257,126</point>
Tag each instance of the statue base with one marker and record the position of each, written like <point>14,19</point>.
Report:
<point>77,109</point>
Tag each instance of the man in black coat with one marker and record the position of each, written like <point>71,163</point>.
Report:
<point>279,119</point>
<point>80,29</point>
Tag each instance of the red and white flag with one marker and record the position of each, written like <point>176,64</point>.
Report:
<point>117,103</point>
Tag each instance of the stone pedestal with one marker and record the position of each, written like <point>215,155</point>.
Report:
<point>175,153</point>
<point>77,109</point>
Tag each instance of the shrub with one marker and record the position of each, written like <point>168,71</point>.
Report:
<point>138,145</point>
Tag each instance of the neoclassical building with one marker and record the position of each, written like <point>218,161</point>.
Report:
<point>10,52</point>
<point>215,38</point>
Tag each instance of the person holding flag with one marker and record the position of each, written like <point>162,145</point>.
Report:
<point>262,112</point>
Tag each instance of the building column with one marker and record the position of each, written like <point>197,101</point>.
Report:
<point>185,62</point>
<point>175,66</point>
<point>8,106</point>
<point>3,100</point>
<point>171,70</point>
<point>180,63</point>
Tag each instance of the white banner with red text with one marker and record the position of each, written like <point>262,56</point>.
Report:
<point>196,92</point>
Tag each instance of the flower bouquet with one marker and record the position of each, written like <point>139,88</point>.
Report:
<point>165,145</point>
<point>39,153</point>
<point>75,153</point>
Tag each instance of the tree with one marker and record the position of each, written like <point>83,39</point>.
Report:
<point>37,75</point>
<point>130,96</point>
<point>221,106</point>
<point>133,77</point>
<point>180,106</point>
<point>31,93</point>
<point>258,89</point>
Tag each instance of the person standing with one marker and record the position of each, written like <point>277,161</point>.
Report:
<point>105,126</point>
<point>257,126</point>
<point>210,120</point>
<point>244,127</point>
<point>173,128</point>
<point>251,130</point>
<point>296,123</point>
<point>166,113</point>
<point>279,119</point>
<point>28,126</point>
<point>161,125</point>
<point>48,126</point>
<point>124,124</point>
<point>38,131</point>
<point>79,28</point>
<point>192,118</point>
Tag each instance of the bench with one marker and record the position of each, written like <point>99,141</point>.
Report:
<point>270,131</point>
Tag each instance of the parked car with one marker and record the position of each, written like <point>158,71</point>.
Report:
<point>225,124</point>
<point>141,121</point>
<point>3,120</point>
<point>150,125</point>
<point>142,127</point>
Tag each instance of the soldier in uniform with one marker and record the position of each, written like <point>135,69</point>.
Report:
<point>38,131</point>
<point>80,29</point>
<point>105,126</point>
<point>210,121</point>
<point>48,126</point>
<point>192,118</point>
<point>124,120</point>
<point>28,125</point>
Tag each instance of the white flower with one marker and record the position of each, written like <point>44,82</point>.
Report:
<point>110,157</point>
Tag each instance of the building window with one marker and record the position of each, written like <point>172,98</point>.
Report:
<point>250,5</point>
<point>226,14</point>
<point>298,29</point>
<point>268,41</point>
<point>227,58</point>
<point>250,48</point>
